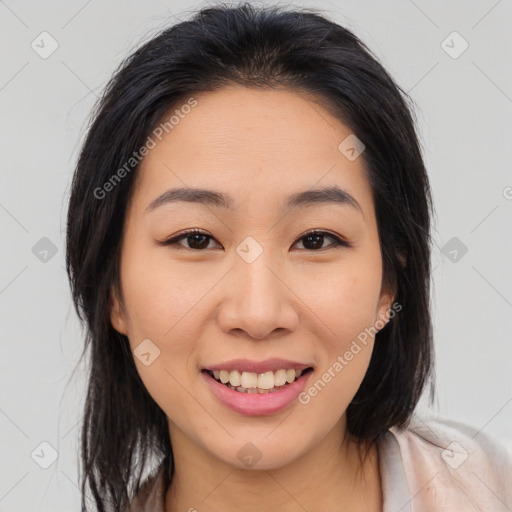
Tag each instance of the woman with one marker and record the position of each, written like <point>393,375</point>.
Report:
<point>248,245</point>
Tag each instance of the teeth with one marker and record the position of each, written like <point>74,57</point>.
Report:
<point>290,376</point>
<point>259,391</point>
<point>280,378</point>
<point>235,378</point>
<point>266,380</point>
<point>252,382</point>
<point>248,380</point>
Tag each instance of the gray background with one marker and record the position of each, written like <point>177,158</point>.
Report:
<point>464,113</point>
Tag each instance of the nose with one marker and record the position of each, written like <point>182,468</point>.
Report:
<point>257,300</point>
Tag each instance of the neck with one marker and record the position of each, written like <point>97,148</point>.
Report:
<point>330,477</point>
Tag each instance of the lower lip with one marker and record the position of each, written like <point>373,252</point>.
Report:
<point>256,404</point>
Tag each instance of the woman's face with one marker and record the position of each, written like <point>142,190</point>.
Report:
<point>256,288</point>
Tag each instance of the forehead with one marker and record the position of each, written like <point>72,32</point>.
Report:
<point>252,143</point>
<point>261,121</point>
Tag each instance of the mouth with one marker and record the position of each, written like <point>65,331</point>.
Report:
<point>258,383</point>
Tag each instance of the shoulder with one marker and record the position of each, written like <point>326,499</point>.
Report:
<point>455,465</point>
<point>151,496</point>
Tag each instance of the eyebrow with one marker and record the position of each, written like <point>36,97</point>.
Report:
<point>333,195</point>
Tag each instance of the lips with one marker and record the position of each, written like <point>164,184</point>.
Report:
<point>256,402</point>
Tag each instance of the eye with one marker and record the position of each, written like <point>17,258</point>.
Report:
<point>315,240</point>
<point>198,240</point>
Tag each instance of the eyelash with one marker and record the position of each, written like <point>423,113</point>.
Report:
<point>338,242</point>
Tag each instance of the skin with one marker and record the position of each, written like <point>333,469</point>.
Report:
<point>206,306</point>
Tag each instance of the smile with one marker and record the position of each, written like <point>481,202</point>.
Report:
<point>256,400</point>
<point>252,382</point>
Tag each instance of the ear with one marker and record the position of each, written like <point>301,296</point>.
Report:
<point>386,300</point>
<point>117,313</point>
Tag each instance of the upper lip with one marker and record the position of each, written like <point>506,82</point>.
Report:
<point>269,365</point>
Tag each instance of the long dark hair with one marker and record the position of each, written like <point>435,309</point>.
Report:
<point>254,47</point>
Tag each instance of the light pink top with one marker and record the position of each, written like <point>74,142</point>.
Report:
<point>433,465</point>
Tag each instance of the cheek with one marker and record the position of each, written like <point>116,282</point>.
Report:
<point>345,303</point>
<point>343,362</point>
<point>346,306</point>
<point>330,393</point>
<point>161,297</point>
<point>162,304</point>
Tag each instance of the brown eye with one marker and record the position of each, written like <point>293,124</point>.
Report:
<point>314,240</point>
<point>196,239</point>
